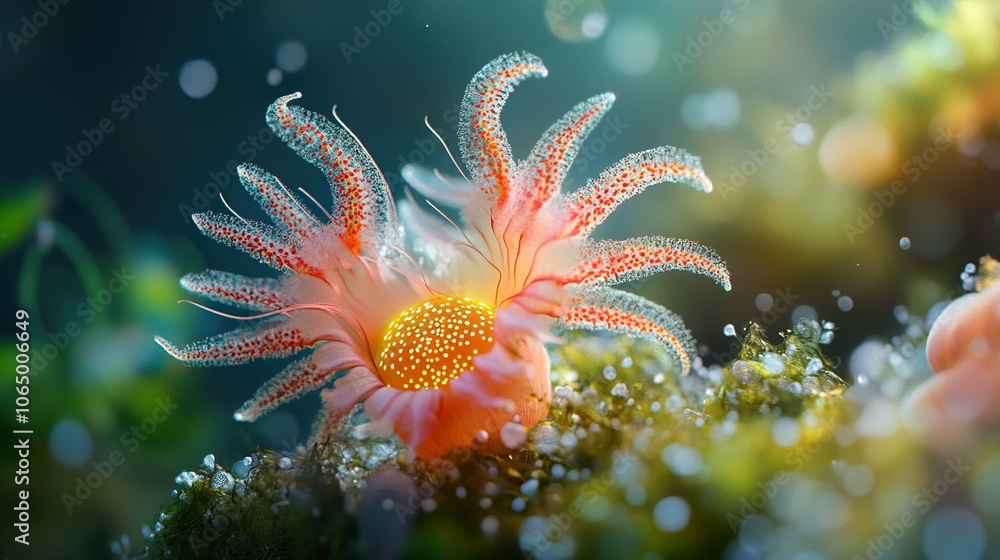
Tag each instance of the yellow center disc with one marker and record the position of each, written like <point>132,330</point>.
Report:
<point>433,342</point>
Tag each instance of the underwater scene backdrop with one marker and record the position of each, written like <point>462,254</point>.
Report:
<point>829,170</point>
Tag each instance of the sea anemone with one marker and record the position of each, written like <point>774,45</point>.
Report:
<point>437,325</point>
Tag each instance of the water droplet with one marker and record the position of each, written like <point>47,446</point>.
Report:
<point>209,462</point>
<point>904,243</point>
<point>802,134</point>
<point>813,367</point>
<point>826,337</point>
<point>845,303</point>
<point>620,390</point>
<point>729,330</point>
<point>482,436</point>
<point>773,363</point>
<point>954,533</point>
<point>671,514</point>
<point>513,435</point>
<point>70,443</point>
<point>785,431</point>
<point>291,56</point>
<point>198,78</point>
<point>610,373</point>
<point>529,487</point>
<point>223,481</point>
<point>490,525</point>
<point>274,76</point>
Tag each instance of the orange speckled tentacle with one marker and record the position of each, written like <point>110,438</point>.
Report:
<point>483,142</point>
<point>589,206</point>
<point>259,240</point>
<point>278,203</point>
<point>274,339</point>
<point>550,160</point>
<point>614,310</point>
<point>361,197</point>
<point>613,262</point>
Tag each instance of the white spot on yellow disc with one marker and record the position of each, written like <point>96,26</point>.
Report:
<point>434,341</point>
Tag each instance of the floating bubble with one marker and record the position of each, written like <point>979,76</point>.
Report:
<point>904,243</point>
<point>291,56</point>
<point>845,303</point>
<point>802,134</point>
<point>198,78</point>
<point>70,443</point>
<point>671,514</point>
<point>858,480</point>
<point>513,435</point>
<point>719,108</point>
<point>785,431</point>
<point>954,533</point>
<point>274,76</point>
<point>594,24</point>
<point>490,525</point>
<point>764,302</point>
<point>576,20</point>
<point>729,330</point>
<point>633,47</point>
<point>804,312</point>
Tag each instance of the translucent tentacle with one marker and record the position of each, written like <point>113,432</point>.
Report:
<point>483,142</point>
<point>360,195</point>
<point>280,205</point>
<point>589,206</point>
<point>432,184</point>
<point>273,339</point>
<point>259,240</point>
<point>613,262</point>
<point>618,311</point>
<point>256,294</point>
<point>550,160</point>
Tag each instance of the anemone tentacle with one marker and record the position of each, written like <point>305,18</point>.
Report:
<point>613,262</point>
<point>624,312</point>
